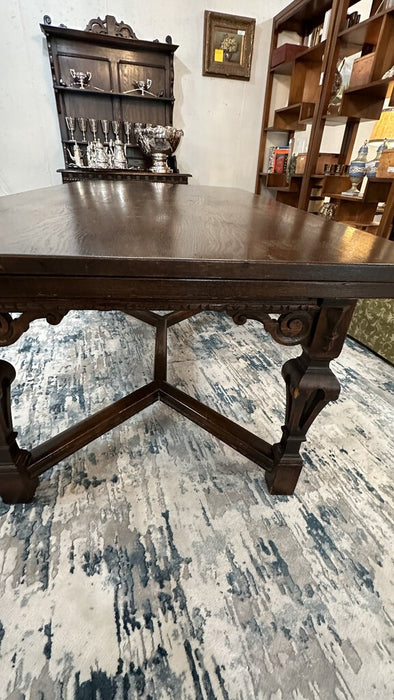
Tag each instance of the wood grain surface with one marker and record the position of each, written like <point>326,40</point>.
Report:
<point>156,229</point>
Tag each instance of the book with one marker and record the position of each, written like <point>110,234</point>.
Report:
<point>280,160</point>
<point>271,153</point>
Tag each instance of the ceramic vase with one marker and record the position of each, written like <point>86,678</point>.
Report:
<point>357,171</point>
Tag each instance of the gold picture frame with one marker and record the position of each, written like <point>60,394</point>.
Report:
<point>228,45</point>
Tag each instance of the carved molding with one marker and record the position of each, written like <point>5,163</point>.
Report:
<point>54,306</point>
<point>12,328</point>
<point>270,306</point>
<point>110,26</point>
<point>293,325</point>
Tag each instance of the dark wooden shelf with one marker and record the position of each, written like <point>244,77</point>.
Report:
<point>312,54</point>
<point>347,197</point>
<point>77,174</point>
<point>352,40</point>
<point>110,93</point>
<point>274,129</point>
<point>300,16</point>
<point>285,68</point>
<point>365,101</point>
<point>335,119</point>
<point>301,108</point>
<point>294,117</point>
<point>296,176</point>
<point>117,171</point>
<point>106,39</point>
<point>355,224</point>
<point>376,190</point>
<point>70,142</point>
<point>117,63</point>
<point>374,91</point>
<point>278,182</point>
<point>341,119</point>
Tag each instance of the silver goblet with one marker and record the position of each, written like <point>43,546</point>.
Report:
<point>82,123</point>
<point>115,128</point>
<point>93,128</point>
<point>70,123</point>
<point>105,128</point>
<point>127,130</point>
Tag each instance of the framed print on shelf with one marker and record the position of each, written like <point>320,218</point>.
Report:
<point>228,45</point>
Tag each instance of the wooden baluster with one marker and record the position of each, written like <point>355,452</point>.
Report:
<point>16,484</point>
<point>310,385</point>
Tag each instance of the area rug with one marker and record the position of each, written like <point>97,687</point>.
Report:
<point>154,564</point>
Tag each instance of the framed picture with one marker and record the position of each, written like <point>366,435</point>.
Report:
<point>228,45</point>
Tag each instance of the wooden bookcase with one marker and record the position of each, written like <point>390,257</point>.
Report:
<point>311,72</point>
<point>116,60</point>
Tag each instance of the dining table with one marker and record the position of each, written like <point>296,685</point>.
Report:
<point>163,253</point>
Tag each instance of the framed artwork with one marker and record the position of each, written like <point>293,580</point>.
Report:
<point>228,45</point>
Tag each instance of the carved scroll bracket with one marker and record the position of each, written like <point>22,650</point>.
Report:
<point>12,328</point>
<point>293,325</point>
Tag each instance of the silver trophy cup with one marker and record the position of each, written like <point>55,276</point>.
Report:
<point>80,79</point>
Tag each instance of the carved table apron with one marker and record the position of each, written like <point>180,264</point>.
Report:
<point>146,247</point>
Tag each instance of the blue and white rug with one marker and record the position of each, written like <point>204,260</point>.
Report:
<point>153,563</point>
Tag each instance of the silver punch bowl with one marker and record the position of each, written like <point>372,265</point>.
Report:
<point>158,142</point>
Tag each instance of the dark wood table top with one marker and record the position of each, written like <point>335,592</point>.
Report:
<point>133,229</point>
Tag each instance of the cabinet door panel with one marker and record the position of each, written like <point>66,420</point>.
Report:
<point>144,111</point>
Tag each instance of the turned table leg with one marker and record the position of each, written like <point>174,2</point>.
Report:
<point>16,485</point>
<point>310,385</point>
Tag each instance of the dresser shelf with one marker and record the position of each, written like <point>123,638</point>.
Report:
<point>116,62</point>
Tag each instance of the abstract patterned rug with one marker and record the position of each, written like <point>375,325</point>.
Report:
<point>153,563</point>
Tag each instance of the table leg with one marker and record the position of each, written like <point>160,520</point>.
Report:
<point>310,385</point>
<point>16,484</point>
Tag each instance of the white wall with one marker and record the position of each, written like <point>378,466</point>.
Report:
<point>221,118</point>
